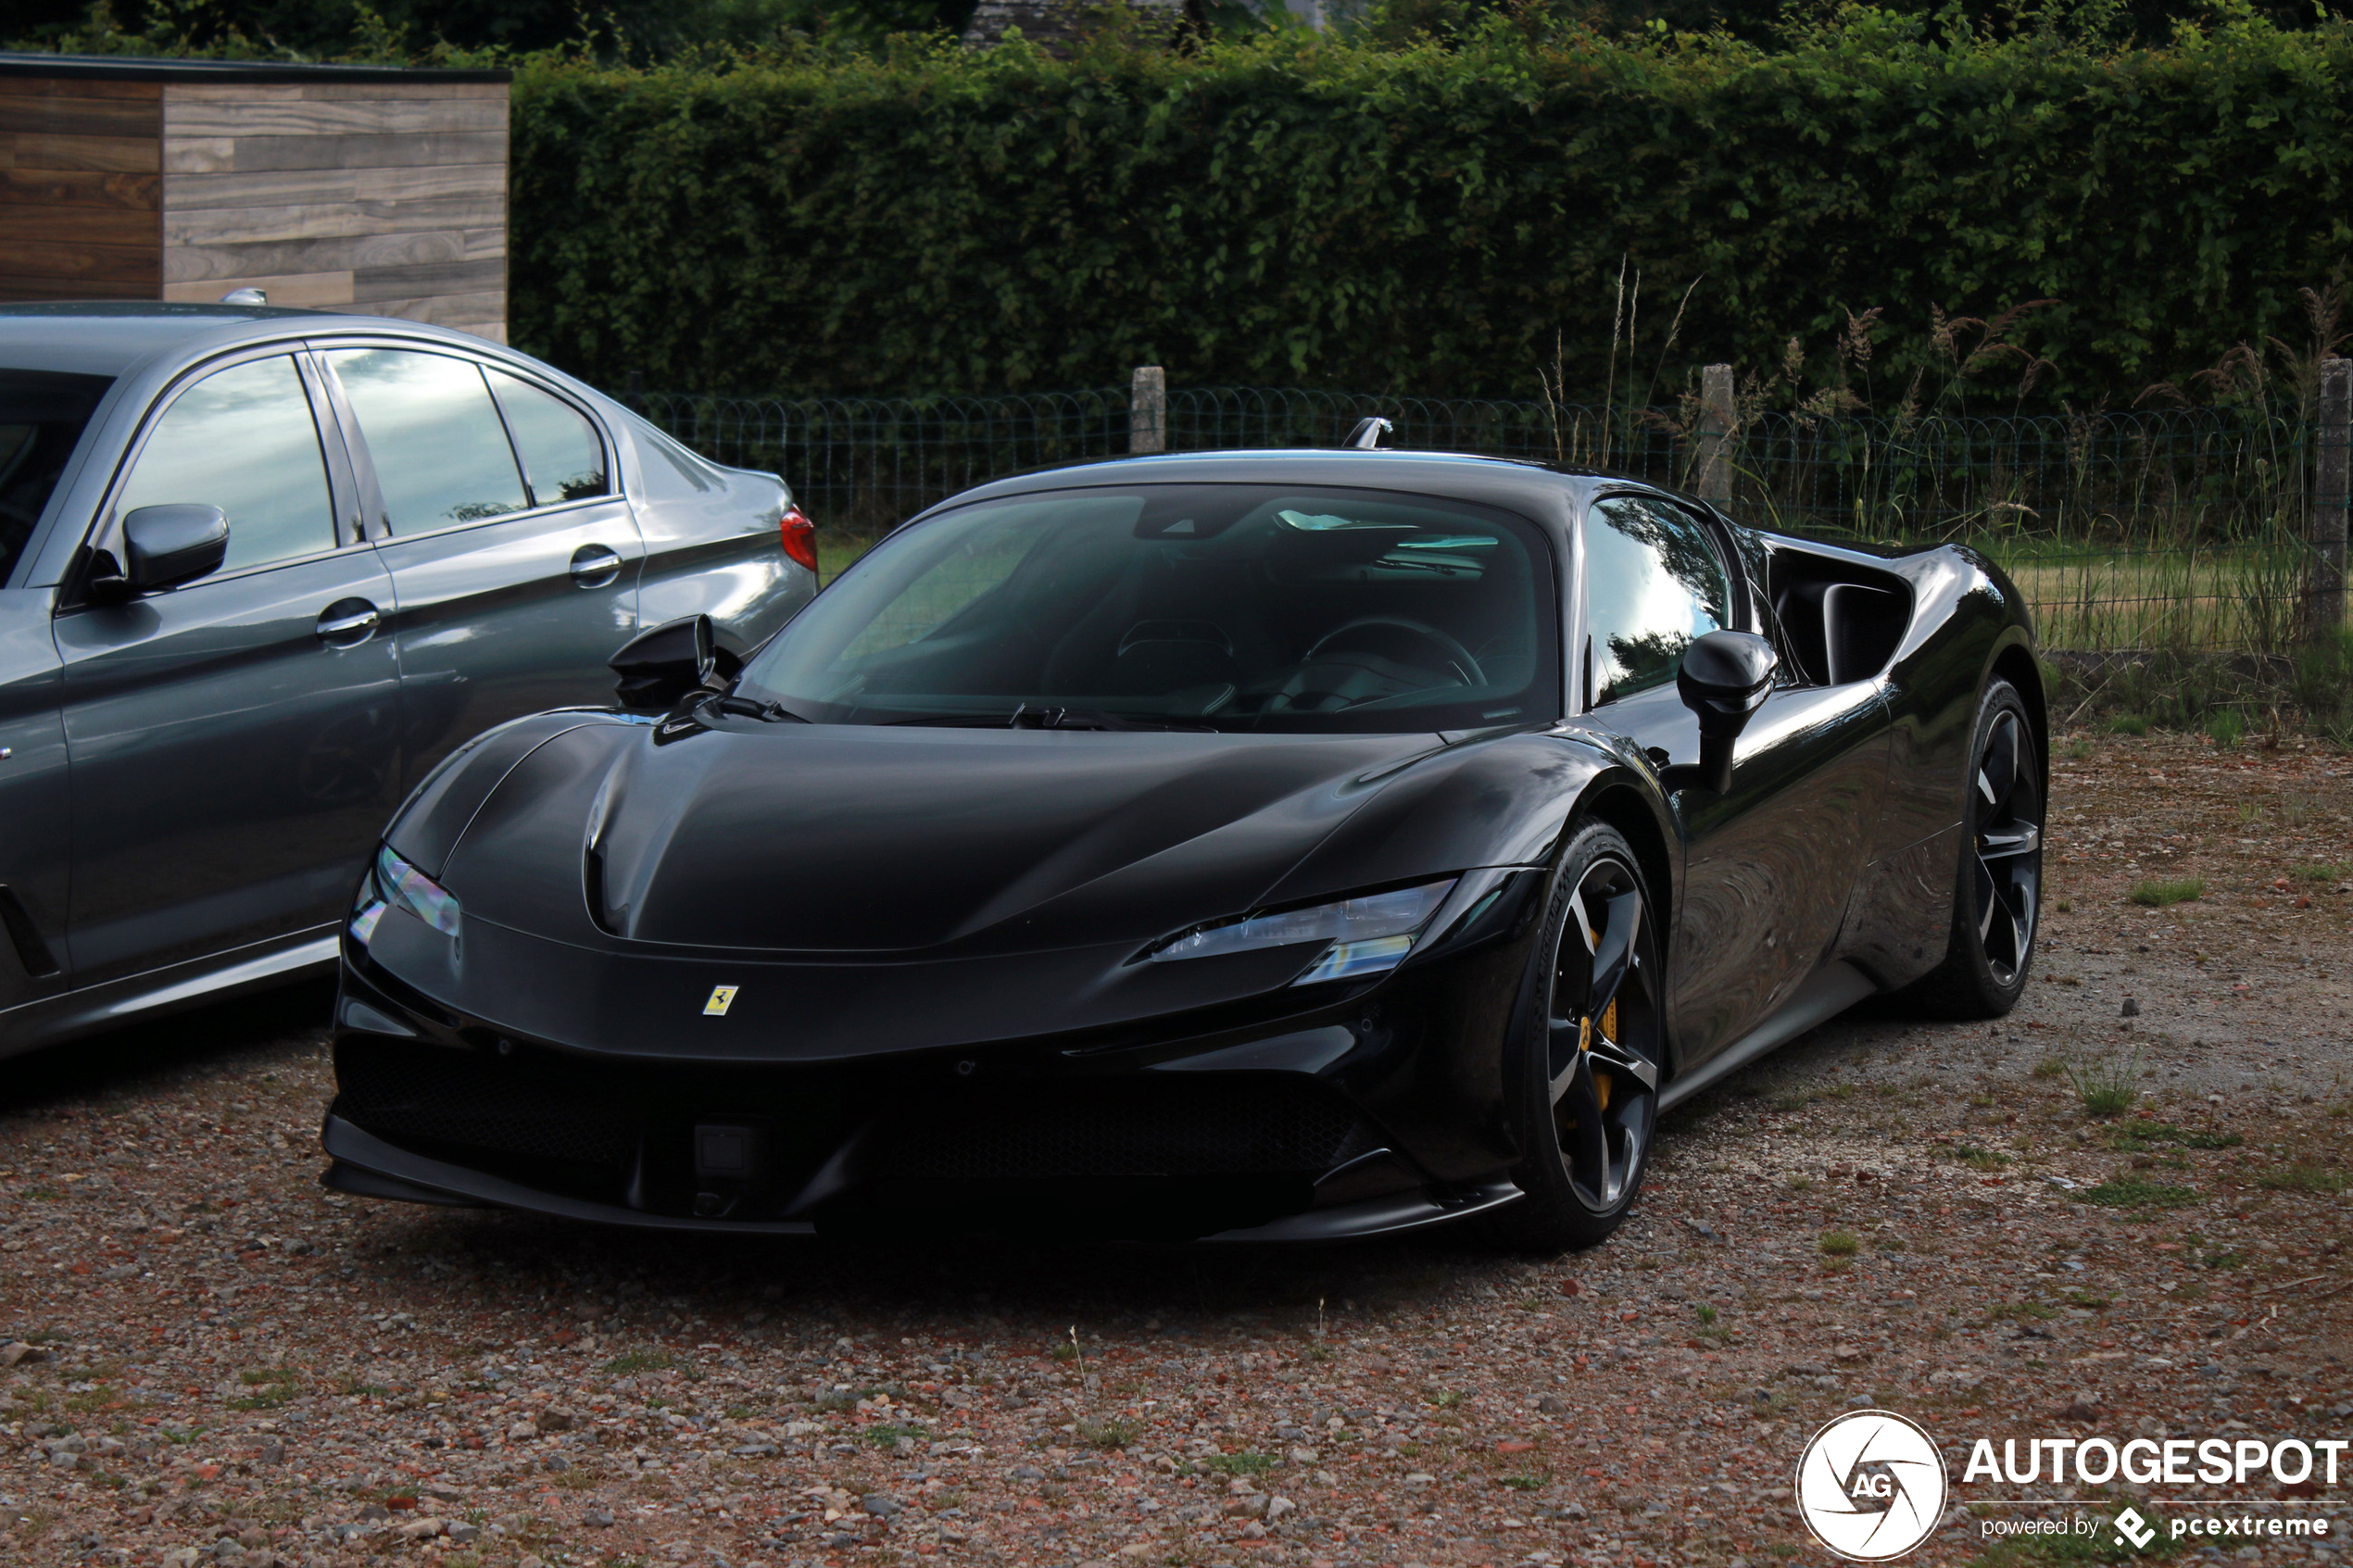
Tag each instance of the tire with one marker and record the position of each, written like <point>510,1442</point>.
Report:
<point>1997,886</point>
<point>1581,1084</point>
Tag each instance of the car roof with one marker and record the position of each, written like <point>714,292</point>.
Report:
<point>108,338</point>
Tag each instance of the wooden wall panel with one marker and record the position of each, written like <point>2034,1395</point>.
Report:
<point>81,189</point>
<point>383,199</point>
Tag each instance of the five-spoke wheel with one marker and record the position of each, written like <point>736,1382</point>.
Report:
<point>1588,1098</point>
<point>1998,893</point>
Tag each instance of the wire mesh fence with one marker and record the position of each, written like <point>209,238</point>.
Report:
<point>2178,528</point>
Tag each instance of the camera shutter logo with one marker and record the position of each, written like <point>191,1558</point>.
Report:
<point>1871,1486</point>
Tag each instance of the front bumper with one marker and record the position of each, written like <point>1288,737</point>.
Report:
<point>1361,1112</point>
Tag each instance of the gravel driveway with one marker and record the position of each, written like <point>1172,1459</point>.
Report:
<point>209,1358</point>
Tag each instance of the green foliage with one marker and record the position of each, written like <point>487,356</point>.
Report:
<point>2156,893</point>
<point>2105,1086</point>
<point>1336,212</point>
<point>1244,1464</point>
<point>1839,1244</point>
<point>2135,1191</point>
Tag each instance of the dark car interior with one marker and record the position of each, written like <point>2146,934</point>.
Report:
<point>1192,605</point>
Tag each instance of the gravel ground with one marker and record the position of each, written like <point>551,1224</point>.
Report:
<point>210,1359</point>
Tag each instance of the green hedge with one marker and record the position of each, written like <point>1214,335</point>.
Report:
<point>1310,211</point>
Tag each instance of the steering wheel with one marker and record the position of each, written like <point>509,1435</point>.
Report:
<point>1333,676</point>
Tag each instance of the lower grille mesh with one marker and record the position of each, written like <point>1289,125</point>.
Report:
<point>451,1097</point>
<point>1257,1127</point>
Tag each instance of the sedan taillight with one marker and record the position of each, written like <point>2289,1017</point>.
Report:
<point>799,536</point>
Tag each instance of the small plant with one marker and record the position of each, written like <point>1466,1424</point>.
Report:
<point>2104,1087</point>
<point>2303,1177</point>
<point>1707,1314</point>
<point>2225,728</point>
<point>2088,1301</point>
<point>1523,1483</point>
<point>272,1387</point>
<point>2134,1192</point>
<point>2064,906</point>
<point>1799,1184</point>
<point>1446,1398</point>
<point>1839,1244</point>
<point>1243,1463</point>
<point>2080,751</point>
<point>1889,1242</point>
<point>2250,812</point>
<point>1113,1434</point>
<point>2134,1138</point>
<point>2128,724</point>
<point>2158,892</point>
<point>888,1436</point>
<point>2323,873</point>
<point>2014,1309</point>
<point>641,1361</point>
<point>2050,1067</point>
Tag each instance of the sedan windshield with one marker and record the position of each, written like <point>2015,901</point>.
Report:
<point>1183,606</point>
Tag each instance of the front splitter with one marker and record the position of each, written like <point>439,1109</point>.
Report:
<point>366,1165</point>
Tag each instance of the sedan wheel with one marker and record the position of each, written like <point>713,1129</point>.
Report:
<point>1588,1080</point>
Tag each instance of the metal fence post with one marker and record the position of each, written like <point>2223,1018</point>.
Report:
<point>1715,435</point>
<point>1147,410</point>
<point>2324,580</point>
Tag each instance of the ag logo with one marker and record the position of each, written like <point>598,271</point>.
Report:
<point>1871,1486</point>
<point>2130,1526</point>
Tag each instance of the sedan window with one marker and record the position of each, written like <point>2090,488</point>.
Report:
<point>1652,583</point>
<point>563,457</point>
<point>244,440</point>
<point>440,452</point>
<point>42,413</point>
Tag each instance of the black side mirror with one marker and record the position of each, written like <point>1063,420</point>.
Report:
<point>1725,679</point>
<point>162,548</point>
<point>659,667</point>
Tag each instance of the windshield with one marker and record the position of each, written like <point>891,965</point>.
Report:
<point>42,413</point>
<point>1199,606</point>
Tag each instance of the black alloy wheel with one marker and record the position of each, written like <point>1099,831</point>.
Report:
<point>1997,899</point>
<point>1591,1052</point>
<point>2007,845</point>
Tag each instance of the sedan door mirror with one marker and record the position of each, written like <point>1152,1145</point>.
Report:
<point>1725,679</point>
<point>164,547</point>
<point>659,667</point>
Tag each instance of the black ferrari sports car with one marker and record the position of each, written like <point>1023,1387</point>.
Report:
<point>1258,845</point>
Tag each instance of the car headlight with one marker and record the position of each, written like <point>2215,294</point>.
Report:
<point>1361,936</point>
<point>392,883</point>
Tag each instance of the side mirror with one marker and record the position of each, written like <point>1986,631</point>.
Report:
<point>659,667</point>
<point>164,547</point>
<point>1725,679</point>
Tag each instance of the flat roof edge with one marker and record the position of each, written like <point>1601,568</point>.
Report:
<point>133,68</point>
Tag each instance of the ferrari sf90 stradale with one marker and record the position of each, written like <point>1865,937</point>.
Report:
<point>1247,845</point>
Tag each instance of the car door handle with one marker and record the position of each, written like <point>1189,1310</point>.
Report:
<point>347,623</point>
<point>593,565</point>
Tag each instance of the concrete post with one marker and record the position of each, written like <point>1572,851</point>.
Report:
<point>1716,415</point>
<point>1147,410</point>
<point>2324,580</point>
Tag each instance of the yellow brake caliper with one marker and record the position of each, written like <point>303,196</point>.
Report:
<point>1609,1032</point>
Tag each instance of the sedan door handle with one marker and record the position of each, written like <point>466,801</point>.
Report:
<point>594,566</point>
<point>348,623</point>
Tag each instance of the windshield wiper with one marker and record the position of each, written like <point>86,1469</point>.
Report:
<point>1027,717</point>
<point>773,712</point>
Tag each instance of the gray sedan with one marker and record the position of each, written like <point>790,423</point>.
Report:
<point>259,571</point>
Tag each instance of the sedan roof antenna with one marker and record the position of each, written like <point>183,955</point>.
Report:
<point>1370,432</point>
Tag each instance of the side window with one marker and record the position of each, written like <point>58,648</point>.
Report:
<point>1652,583</point>
<point>244,440</point>
<point>440,452</point>
<point>563,459</point>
